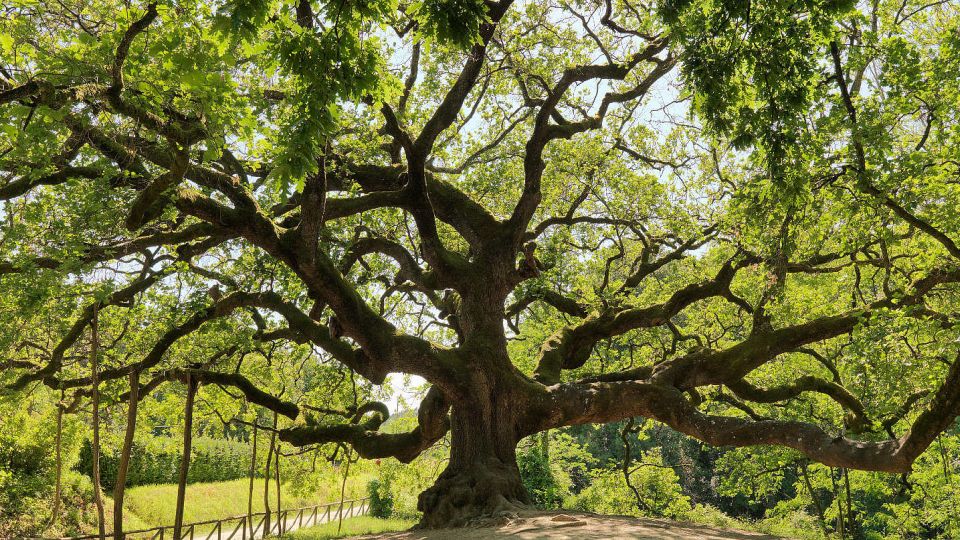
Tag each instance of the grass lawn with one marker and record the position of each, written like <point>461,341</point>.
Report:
<point>131,521</point>
<point>351,527</point>
<point>145,507</point>
<point>155,505</point>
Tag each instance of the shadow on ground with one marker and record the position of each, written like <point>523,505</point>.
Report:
<point>557,526</point>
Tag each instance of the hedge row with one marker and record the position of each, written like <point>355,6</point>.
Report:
<point>157,461</point>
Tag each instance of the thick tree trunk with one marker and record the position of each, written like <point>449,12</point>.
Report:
<point>482,479</point>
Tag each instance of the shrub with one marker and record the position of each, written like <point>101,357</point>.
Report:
<point>659,490</point>
<point>546,484</point>
<point>407,481</point>
<point>548,464</point>
<point>28,469</point>
<point>705,514</point>
<point>381,499</point>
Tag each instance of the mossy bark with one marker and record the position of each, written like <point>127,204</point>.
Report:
<point>482,479</point>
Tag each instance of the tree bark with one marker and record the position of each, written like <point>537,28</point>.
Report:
<point>276,475</point>
<point>185,459</point>
<point>482,478</point>
<point>813,497</point>
<point>266,479</point>
<point>95,401</point>
<point>121,483</point>
<point>851,521</point>
<point>343,488</point>
<point>253,470</point>
<point>55,513</point>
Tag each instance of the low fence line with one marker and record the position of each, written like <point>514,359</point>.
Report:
<point>248,527</point>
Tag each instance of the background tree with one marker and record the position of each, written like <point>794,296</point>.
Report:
<point>733,218</point>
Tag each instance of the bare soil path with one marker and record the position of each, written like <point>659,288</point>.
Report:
<point>577,526</point>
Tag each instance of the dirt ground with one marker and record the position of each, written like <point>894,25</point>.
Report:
<point>575,525</point>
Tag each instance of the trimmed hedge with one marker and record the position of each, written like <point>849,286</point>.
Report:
<point>157,461</point>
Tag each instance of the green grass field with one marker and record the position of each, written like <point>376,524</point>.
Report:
<point>351,527</point>
<point>131,521</point>
<point>151,506</point>
<point>156,505</point>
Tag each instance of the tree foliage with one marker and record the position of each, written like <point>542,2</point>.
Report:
<point>734,218</point>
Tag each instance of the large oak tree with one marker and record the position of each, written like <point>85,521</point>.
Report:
<point>735,218</point>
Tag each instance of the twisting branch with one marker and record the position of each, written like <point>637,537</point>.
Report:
<point>544,131</point>
<point>863,182</point>
<point>841,395</point>
<point>121,297</point>
<point>570,347</point>
<point>250,391</point>
<point>370,443</point>
<point>605,402</point>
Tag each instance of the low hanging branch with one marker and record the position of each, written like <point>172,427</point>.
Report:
<point>250,391</point>
<point>361,432</point>
<point>370,443</point>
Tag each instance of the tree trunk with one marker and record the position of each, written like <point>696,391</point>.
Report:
<point>813,497</point>
<point>839,498</point>
<point>482,478</point>
<point>185,459</point>
<point>343,489</point>
<point>95,401</point>
<point>851,524</point>
<point>266,479</point>
<point>121,483</point>
<point>276,474</point>
<point>55,513</point>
